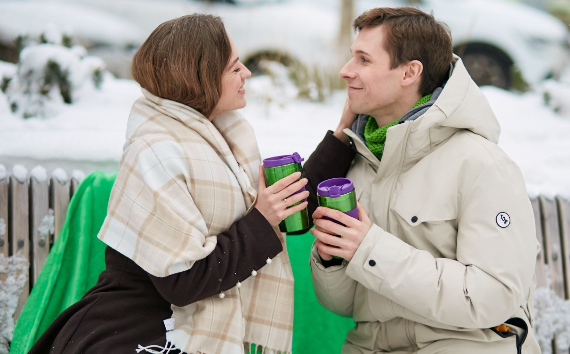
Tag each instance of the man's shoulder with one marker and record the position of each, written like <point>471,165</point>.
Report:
<point>475,147</point>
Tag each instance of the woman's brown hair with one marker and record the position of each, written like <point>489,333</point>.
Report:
<point>183,60</point>
<point>412,34</point>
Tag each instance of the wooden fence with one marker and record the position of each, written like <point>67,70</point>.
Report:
<point>32,213</point>
<point>25,205</point>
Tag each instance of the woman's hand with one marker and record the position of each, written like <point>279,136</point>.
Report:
<point>273,202</point>
<point>346,121</point>
<point>351,235</point>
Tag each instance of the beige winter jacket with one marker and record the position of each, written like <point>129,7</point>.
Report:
<point>452,249</point>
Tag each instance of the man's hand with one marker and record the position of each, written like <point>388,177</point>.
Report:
<point>351,235</point>
<point>346,121</point>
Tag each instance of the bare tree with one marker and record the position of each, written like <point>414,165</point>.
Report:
<point>345,30</point>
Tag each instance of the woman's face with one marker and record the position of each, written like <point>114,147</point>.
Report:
<point>233,81</point>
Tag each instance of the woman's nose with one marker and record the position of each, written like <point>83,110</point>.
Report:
<point>246,72</point>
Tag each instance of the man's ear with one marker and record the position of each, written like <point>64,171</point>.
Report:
<point>413,73</point>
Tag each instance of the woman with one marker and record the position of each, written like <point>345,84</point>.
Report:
<point>194,262</point>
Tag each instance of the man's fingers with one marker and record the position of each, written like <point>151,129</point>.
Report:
<point>325,256</point>
<point>327,238</point>
<point>330,227</point>
<point>327,249</point>
<point>349,221</point>
<point>261,186</point>
<point>283,182</point>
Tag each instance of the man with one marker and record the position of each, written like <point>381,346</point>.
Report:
<point>442,258</point>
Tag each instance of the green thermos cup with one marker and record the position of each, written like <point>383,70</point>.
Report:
<point>278,167</point>
<point>338,194</point>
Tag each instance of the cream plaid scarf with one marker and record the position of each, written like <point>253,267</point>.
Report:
<point>182,181</point>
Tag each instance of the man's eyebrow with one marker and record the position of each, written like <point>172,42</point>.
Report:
<point>361,52</point>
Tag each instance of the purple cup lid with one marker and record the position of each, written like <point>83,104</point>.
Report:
<point>334,187</point>
<point>282,160</point>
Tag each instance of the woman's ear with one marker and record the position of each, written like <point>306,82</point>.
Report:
<point>413,73</point>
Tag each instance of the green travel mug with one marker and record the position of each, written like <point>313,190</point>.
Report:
<point>338,194</point>
<point>277,167</point>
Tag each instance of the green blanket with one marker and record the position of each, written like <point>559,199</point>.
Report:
<point>77,259</point>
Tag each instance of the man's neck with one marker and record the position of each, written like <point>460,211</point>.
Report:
<point>396,111</point>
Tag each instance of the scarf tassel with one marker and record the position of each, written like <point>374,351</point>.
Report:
<point>252,348</point>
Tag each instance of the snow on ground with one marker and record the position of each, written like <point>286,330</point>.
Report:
<point>89,134</point>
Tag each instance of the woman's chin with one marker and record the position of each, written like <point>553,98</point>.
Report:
<point>241,104</point>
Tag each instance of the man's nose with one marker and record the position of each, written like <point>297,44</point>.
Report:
<point>346,72</point>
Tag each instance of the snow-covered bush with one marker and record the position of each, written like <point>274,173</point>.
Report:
<point>15,270</point>
<point>49,73</point>
<point>555,95</point>
<point>551,318</point>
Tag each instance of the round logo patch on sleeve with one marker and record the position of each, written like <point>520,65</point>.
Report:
<point>503,220</point>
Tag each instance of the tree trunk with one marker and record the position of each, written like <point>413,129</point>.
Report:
<point>345,30</point>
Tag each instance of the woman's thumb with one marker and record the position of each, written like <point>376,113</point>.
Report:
<point>261,179</point>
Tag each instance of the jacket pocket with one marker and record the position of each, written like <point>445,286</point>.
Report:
<point>414,211</point>
<point>518,328</point>
<point>429,225</point>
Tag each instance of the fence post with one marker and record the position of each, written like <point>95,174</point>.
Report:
<point>554,254</point>
<point>540,270</point>
<point>19,230</point>
<point>4,217</point>
<point>40,221</point>
<point>564,217</point>
<point>60,189</point>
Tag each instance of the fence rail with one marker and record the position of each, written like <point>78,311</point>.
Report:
<point>33,209</point>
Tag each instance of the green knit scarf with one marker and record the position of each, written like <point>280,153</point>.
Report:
<point>376,136</point>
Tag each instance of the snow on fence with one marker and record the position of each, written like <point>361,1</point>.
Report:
<point>32,213</point>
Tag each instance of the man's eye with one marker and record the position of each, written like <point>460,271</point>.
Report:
<point>364,60</point>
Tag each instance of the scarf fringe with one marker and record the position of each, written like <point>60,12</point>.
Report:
<point>259,349</point>
<point>163,350</point>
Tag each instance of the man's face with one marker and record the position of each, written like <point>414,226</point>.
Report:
<point>373,88</point>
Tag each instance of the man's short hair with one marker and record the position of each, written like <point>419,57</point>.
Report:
<point>412,34</point>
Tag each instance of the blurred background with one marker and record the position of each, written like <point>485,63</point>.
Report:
<point>66,89</point>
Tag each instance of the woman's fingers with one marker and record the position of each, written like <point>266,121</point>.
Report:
<point>291,189</point>
<point>297,197</point>
<point>294,209</point>
<point>283,183</point>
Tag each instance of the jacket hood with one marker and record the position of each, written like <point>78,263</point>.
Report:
<point>462,105</point>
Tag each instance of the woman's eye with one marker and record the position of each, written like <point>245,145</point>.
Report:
<point>236,70</point>
<point>364,60</point>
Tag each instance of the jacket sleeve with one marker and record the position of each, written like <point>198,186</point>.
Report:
<point>332,158</point>
<point>243,248</point>
<point>492,274</point>
<point>333,288</point>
